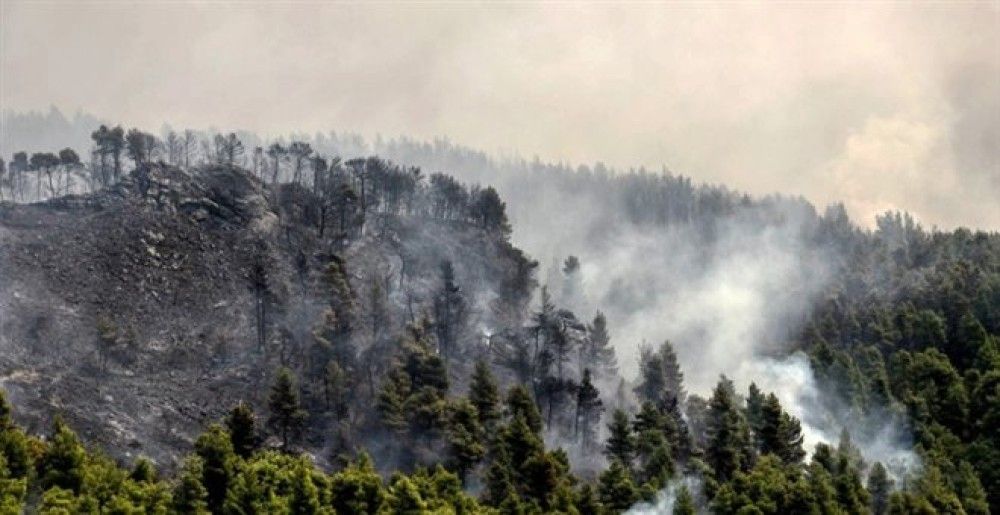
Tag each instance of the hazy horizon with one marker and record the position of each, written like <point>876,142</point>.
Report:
<point>881,107</point>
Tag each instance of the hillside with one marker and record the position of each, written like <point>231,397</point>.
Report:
<point>131,311</point>
<point>362,323</point>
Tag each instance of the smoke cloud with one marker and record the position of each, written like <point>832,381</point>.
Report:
<point>880,106</point>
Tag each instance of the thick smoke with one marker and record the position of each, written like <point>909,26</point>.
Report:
<point>728,298</point>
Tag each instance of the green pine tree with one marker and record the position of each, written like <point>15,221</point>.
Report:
<point>484,394</point>
<point>728,446</point>
<point>287,417</point>
<point>616,489</point>
<point>620,446</point>
<point>684,502</point>
<point>242,426</point>
<point>780,434</point>
<point>190,495</point>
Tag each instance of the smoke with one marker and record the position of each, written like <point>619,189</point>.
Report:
<point>880,437</point>
<point>759,96</point>
<point>666,498</point>
<point>728,297</point>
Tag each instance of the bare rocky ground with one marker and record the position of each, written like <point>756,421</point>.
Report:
<point>159,265</point>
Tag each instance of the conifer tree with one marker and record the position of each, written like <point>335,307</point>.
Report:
<point>62,463</point>
<point>588,412</point>
<point>218,464</point>
<point>620,446</point>
<point>143,471</point>
<point>616,489</point>
<point>484,394</point>
<point>728,446</point>
<point>970,490</point>
<point>653,450</point>
<point>391,402</point>
<point>304,495</point>
<point>684,503</point>
<point>465,438</point>
<point>520,404</point>
<point>879,486</point>
<point>755,410</point>
<point>780,433</point>
<point>189,494</point>
<point>241,424</point>
<point>450,313</point>
<point>287,417</point>
<point>660,376</point>
<point>597,352</point>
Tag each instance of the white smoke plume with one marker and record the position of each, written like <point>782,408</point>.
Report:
<point>667,497</point>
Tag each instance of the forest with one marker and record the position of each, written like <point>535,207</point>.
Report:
<point>389,347</point>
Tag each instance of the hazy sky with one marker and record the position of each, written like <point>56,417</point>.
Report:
<point>887,105</point>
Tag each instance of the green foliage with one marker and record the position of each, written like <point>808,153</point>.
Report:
<point>484,394</point>
<point>465,438</point>
<point>879,487</point>
<point>218,463</point>
<point>521,405</point>
<point>357,488</point>
<point>190,495</point>
<point>286,417</point>
<point>241,423</point>
<point>684,503</point>
<point>728,445</point>
<point>620,446</point>
<point>62,463</point>
<point>780,433</point>
<point>660,376</point>
<point>617,491</point>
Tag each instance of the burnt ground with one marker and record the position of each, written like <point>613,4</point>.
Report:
<point>129,312</point>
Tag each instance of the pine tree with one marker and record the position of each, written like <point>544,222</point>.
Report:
<point>780,433</point>
<point>143,471</point>
<point>62,463</point>
<point>675,431</point>
<point>520,404</point>
<point>620,446</point>
<point>304,495</point>
<point>391,403</point>
<point>218,468</point>
<point>728,443</point>
<point>190,495</point>
<point>287,417</point>
<point>672,372</point>
<point>879,486</point>
<point>660,376</point>
<point>450,313</point>
<point>653,450</point>
<point>755,410</point>
<point>465,438</point>
<point>598,354</point>
<point>616,489</point>
<point>6,422</point>
<point>587,502</point>
<point>588,412</point>
<point>484,394</point>
<point>242,426</point>
<point>970,490</point>
<point>684,503</point>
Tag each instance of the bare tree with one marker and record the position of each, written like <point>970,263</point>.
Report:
<point>175,148</point>
<point>300,152</point>
<point>276,152</point>
<point>188,145</point>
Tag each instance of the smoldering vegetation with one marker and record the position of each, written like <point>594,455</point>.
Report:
<point>669,314</point>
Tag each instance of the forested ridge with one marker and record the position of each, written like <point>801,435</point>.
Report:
<point>368,339</point>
